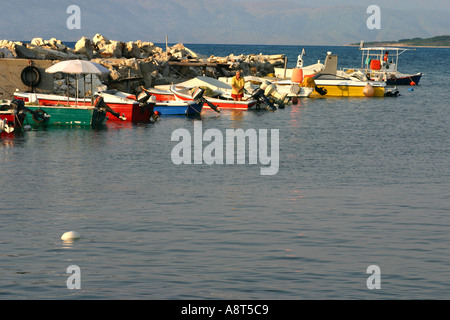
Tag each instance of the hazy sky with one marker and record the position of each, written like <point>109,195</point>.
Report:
<point>394,4</point>
<point>225,21</point>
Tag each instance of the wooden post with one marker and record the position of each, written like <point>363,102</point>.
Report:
<point>285,66</point>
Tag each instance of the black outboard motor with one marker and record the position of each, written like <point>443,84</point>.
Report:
<point>19,108</point>
<point>258,95</point>
<point>197,95</point>
<point>101,104</point>
<point>143,98</point>
<point>321,90</point>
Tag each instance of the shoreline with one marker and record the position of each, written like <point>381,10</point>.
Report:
<point>383,44</point>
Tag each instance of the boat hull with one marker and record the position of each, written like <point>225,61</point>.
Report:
<point>222,104</point>
<point>125,107</point>
<point>346,91</point>
<point>67,116</point>
<point>165,108</point>
<point>404,80</point>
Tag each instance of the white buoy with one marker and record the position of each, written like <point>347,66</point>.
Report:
<point>70,236</point>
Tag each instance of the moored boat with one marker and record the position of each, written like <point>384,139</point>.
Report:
<point>10,122</point>
<point>329,83</point>
<point>165,107</point>
<point>336,86</point>
<point>183,93</point>
<point>67,116</point>
<point>13,115</point>
<point>381,64</point>
<point>219,94</point>
<point>122,109</point>
<point>63,115</point>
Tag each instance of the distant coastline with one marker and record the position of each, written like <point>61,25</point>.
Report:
<point>434,42</point>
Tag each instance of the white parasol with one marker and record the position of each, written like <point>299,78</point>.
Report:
<point>77,67</point>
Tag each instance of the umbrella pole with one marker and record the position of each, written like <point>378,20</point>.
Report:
<point>84,89</point>
<point>76,94</point>
<point>92,92</point>
<point>68,84</point>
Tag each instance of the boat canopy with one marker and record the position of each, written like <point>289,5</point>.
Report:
<point>386,57</point>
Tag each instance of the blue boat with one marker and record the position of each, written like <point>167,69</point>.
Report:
<point>172,107</point>
<point>178,108</point>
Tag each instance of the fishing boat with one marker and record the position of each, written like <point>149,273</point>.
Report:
<point>278,87</point>
<point>336,86</point>
<point>183,93</point>
<point>160,107</point>
<point>330,83</point>
<point>13,116</point>
<point>10,122</point>
<point>219,94</point>
<point>67,116</point>
<point>380,64</point>
<point>126,109</point>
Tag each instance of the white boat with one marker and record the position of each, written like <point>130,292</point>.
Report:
<point>222,102</point>
<point>380,64</point>
<point>284,73</point>
<point>220,93</point>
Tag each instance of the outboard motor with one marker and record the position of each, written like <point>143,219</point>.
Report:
<point>270,90</point>
<point>19,111</point>
<point>102,105</point>
<point>143,98</point>
<point>258,95</point>
<point>321,90</point>
<point>197,95</point>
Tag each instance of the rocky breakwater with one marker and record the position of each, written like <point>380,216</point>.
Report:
<point>138,63</point>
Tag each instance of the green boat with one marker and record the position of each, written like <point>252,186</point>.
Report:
<point>66,116</point>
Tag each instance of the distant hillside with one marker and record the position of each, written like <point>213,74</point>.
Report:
<point>291,22</point>
<point>438,41</point>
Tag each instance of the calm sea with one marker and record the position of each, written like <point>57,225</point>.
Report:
<point>361,182</point>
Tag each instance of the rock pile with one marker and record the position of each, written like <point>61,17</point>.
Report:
<point>140,63</point>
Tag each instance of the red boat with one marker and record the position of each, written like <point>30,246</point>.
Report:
<point>122,109</point>
<point>12,116</point>
<point>184,94</point>
<point>221,90</point>
<point>8,123</point>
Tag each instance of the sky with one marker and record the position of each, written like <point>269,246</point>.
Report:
<point>224,21</point>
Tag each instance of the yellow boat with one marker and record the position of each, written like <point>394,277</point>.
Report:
<point>328,82</point>
<point>336,86</point>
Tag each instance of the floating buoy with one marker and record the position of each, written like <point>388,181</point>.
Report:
<point>412,83</point>
<point>410,89</point>
<point>297,75</point>
<point>70,236</point>
<point>368,90</point>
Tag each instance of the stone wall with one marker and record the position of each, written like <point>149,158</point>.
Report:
<point>10,76</point>
<point>131,63</point>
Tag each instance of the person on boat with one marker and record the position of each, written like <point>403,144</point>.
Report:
<point>237,83</point>
<point>386,56</point>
